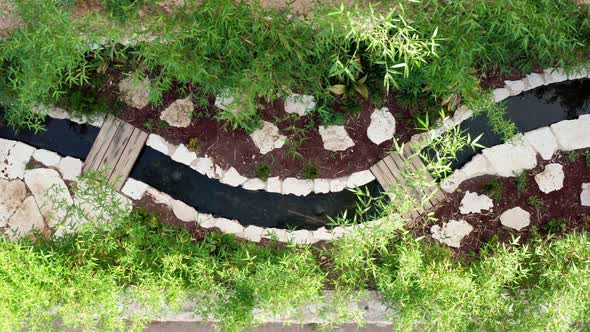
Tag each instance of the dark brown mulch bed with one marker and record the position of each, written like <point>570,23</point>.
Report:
<point>563,205</point>
<point>235,147</point>
<point>495,79</point>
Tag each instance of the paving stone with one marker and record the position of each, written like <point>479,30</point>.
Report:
<point>254,184</point>
<point>515,218</point>
<point>50,192</point>
<point>184,155</point>
<point>233,178</point>
<point>179,113</point>
<point>158,143</point>
<point>134,189</point>
<point>542,141</point>
<point>25,220</point>
<point>135,93</point>
<point>12,195</point>
<point>501,94</point>
<point>338,184</point>
<point>204,165</point>
<point>228,226</point>
<point>47,158</point>
<point>551,179</point>
<point>297,187</point>
<point>358,179</point>
<point>474,203</point>
<point>299,104</point>
<point>274,185</point>
<point>14,157</point>
<point>572,134</point>
<point>478,166</point>
<point>321,186</point>
<point>535,80</point>
<point>451,233</point>
<point>335,138</point>
<point>515,87</point>
<point>382,126</point>
<point>70,168</point>
<point>268,138</point>
<point>511,159</point>
<point>585,195</point>
<point>451,183</point>
<point>253,233</point>
<point>554,75</point>
<point>183,211</point>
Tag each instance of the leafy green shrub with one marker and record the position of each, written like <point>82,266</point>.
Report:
<point>311,172</point>
<point>263,171</point>
<point>555,226</point>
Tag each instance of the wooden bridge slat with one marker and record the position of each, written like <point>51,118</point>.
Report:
<point>116,148</point>
<point>101,144</point>
<point>393,169</point>
<point>379,176</point>
<point>387,174</point>
<point>128,157</point>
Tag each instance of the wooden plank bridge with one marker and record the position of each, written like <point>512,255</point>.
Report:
<point>116,150</point>
<point>391,171</point>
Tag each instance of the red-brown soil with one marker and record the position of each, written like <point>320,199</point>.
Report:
<point>563,205</point>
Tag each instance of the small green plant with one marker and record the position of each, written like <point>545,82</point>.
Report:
<point>555,226</point>
<point>349,90</point>
<point>311,172</point>
<point>535,202</point>
<point>263,171</point>
<point>587,158</point>
<point>521,182</point>
<point>153,124</point>
<point>193,145</point>
<point>572,156</point>
<point>494,188</point>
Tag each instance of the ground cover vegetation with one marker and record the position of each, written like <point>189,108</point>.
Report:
<point>82,278</point>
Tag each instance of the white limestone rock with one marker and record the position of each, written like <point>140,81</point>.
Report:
<point>233,178</point>
<point>321,186</point>
<point>474,203</point>
<point>268,138</point>
<point>585,195</point>
<point>135,93</point>
<point>554,75</point>
<point>184,155</point>
<point>451,233</point>
<point>451,183</point>
<point>57,113</point>
<point>572,134</point>
<point>478,166</point>
<point>501,94</point>
<point>14,157</point>
<point>253,233</point>
<point>301,236</point>
<point>228,226</point>
<point>338,184</point>
<point>461,114</point>
<point>47,158</point>
<point>183,211</point>
<point>274,185</point>
<point>158,143</point>
<point>515,218</point>
<point>179,113</point>
<point>25,220</point>
<point>543,141</point>
<point>280,235</point>
<point>297,187</point>
<point>159,197</point>
<point>510,159</point>
<point>321,234</point>
<point>299,104</point>
<point>204,165</point>
<point>50,192</point>
<point>254,184</point>
<point>515,87</point>
<point>535,80</point>
<point>358,179</point>
<point>335,138</point>
<point>551,179</point>
<point>134,189</point>
<point>227,103</point>
<point>12,195</point>
<point>70,168</point>
<point>382,126</point>
<point>205,220</point>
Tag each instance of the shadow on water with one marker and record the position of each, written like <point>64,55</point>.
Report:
<point>530,110</point>
<point>206,195</point>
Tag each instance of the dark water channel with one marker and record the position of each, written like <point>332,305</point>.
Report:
<point>204,194</point>
<point>530,110</point>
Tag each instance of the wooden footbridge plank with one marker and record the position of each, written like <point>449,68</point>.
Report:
<point>390,171</point>
<point>115,150</point>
